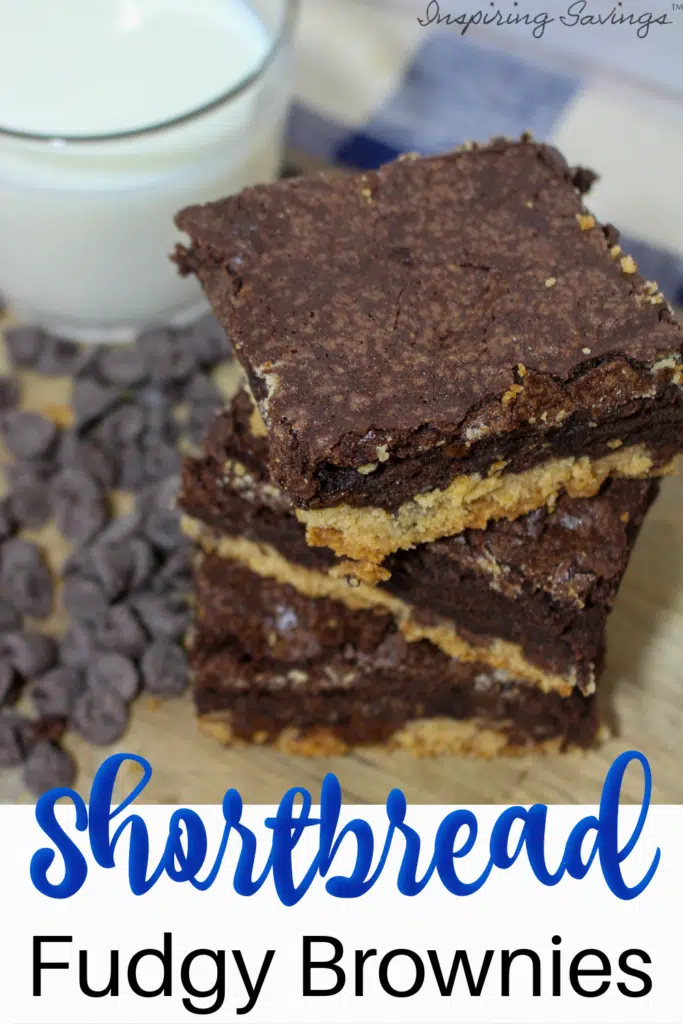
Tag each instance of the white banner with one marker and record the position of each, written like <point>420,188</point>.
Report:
<point>142,914</point>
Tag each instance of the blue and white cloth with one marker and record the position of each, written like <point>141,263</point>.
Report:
<point>371,82</point>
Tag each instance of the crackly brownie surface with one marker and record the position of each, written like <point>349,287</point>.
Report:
<point>404,326</point>
<point>274,661</point>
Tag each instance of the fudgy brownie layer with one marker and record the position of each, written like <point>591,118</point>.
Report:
<point>545,582</point>
<point>406,327</point>
<point>277,662</point>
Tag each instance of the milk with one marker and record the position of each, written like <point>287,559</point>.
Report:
<point>86,225</point>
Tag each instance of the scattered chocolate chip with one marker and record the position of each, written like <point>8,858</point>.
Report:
<point>60,357</point>
<point>132,476</point>
<point>160,519</point>
<point>84,599</point>
<point>91,400</point>
<point>77,645</point>
<point>101,716</point>
<point>120,630</point>
<point>30,653</point>
<point>31,502</point>
<point>9,393</point>
<point>176,572</point>
<point>164,617</point>
<point>122,528</point>
<point>201,390</point>
<point>160,422</point>
<point>166,359</point>
<point>208,341</point>
<point>121,426</point>
<point>11,740</point>
<point>112,564</point>
<point>54,694</point>
<point>160,461</point>
<point>7,523</point>
<point>28,435</point>
<point>25,580</point>
<point>142,562</point>
<point>80,505</point>
<point>10,618</point>
<point>113,672</point>
<point>24,345</point>
<point>122,365</point>
<point>47,767</point>
<point>10,684</point>
<point>165,668</point>
<point>98,461</point>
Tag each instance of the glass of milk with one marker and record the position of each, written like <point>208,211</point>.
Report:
<point>113,115</point>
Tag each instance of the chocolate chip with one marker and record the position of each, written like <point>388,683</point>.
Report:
<point>91,400</point>
<point>132,476</point>
<point>7,523</point>
<point>80,505</point>
<point>122,528</point>
<point>160,461</point>
<point>122,365</point>
<point>142,562</point>
<point>25,580</point>
<point>166,359</point>
<point>10,618</point>
<point>98,461</point>
<point>24,345</point>
<point>10,684</point>
<point>11,740</point>
<point>84,599</point>
<point>31,654</point>
<point>78,563</point>
<point>201,390</point>
<point>100,716</point>
<point>54,694</point>
<point>208,341</point>
<point>77,645</point>
<point>161,521</point>
<point>164,618</point>
<point>60,357</point>
<point>160,423</point>
<point>121,426</point>
<point>112,565</point>
<point>28,435</point>
<point>176,572</point>
<point>31,502</point>
<point>120,630</point>
<point>165,669</point>
<point>47,767</point>
<point>9,393</point>
<point>113,672</point>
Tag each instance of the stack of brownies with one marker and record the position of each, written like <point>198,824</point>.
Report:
<point>414,518</point>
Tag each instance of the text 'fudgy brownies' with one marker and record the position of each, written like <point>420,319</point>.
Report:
<point>440,343</point>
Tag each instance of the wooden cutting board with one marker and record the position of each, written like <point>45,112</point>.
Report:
<point>642,696</point>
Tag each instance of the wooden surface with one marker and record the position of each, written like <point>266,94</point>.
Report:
<point>642,696</point>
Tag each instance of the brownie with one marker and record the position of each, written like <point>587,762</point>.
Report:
<point>272,666</point>
<point>531,596</point>
<point>439,343</point>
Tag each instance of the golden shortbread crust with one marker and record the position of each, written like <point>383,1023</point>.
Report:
<point>427,737</point>
<point>369,534</point>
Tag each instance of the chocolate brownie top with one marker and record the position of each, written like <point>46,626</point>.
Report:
<point>377,314</point>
